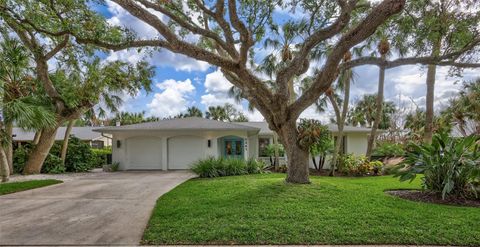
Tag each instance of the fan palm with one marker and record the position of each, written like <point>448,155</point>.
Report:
<point>19,105</point>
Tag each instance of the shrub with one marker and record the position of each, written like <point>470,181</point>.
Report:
<point>53,164</point>
<point>389,150</point>
<point>80,157</point>
<point>100,156</point>
<point>450,166</point>
<point>219,167</point>
<point>20,157</point>
<point>358,165</point>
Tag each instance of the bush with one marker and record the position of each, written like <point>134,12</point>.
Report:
<point>53,164</point>
<point>389,150</point>
<point>358,165</point>
<point>100,156</point>
<point>20,157</point>
<point>219,167</point>
<point>80,158</point>
<point>450,166</point>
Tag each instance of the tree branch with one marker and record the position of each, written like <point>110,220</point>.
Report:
<point>192,27</point>
<point>327,75</point>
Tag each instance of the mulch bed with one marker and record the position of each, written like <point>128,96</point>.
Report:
<point>434,197</point>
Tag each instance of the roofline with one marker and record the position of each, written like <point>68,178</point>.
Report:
<point>148,129</point>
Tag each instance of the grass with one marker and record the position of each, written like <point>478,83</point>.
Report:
<point>13,187</point>
<point>261,209</point>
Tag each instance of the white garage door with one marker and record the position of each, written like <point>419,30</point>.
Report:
<point>184,150</point>
<point>144,153</point>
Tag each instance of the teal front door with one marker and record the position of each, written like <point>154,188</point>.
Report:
<point>233,148</point>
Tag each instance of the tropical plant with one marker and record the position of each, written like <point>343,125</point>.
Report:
<point>216,113</point>
<point>450,166</point>
<point>317,138</point>
<point>363,113</point>
<point>19,100</point>
<point>271,150</point>
<point>354,165</point>
<point>464,108</point>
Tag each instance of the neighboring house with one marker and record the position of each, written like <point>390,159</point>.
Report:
<point>177,143</point>
<point>86,134</point>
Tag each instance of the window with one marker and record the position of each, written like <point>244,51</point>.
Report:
<point>98,144</point>
<point>238,148</point>
<point>262,146</point>
<point>228,147</point>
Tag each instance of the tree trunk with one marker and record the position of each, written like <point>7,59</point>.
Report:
<point>378,113</point>
<point>9,146</point>
<point>40,152</point>
<point>276,160</point>
<point>36,138</point>
<point>297,171</point>
<point>340,117</point>
<point>315,162</point>
<point>429,113</point>
<point>4,170</point>
<point>321,162</point>
<point>66,137</point>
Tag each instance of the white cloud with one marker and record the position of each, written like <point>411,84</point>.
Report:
<point>161,58</point>
<point>173,99</point>
<point>216,89</point>
<point>216,83</point>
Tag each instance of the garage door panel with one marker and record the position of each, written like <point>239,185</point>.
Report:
<point>144,153</point>
<point>184,150</point>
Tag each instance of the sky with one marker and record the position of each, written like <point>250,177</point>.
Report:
<point>181,82</point>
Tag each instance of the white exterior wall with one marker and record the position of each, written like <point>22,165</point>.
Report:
<point>120,155</point>
<point>356,143</point>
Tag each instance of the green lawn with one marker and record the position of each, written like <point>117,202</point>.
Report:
<point>13,187</point>
<point>261,209</point>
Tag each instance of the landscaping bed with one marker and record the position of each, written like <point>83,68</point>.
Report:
<point>434,197</point>
<point>12,187</point>
<point>262,209</point>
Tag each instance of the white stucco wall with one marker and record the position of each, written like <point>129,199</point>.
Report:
<point>120,155</point>
<point>356,143</point>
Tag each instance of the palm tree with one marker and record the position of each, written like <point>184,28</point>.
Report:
<point>363,113</point>
<point>20,105</point>
<point>216,113</point>
<point>383,49</point>
<point>194,112</point>
<point>346,77</point>
<point>126,118</point>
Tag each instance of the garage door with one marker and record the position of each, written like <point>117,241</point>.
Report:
<point>144,153</point>
<point>184,150</point>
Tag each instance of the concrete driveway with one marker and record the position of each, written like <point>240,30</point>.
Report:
<point>104,209</point>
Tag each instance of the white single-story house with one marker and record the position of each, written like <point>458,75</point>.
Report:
<point>86,134</point>
<point>177,143</point>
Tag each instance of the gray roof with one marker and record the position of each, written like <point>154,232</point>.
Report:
<point>83,133</point>
<point>265,130</point>
<point>189,123</point>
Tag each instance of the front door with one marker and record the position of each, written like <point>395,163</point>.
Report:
<point>233,148</point>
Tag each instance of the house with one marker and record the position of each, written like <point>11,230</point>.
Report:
<point>86,134</point>
<point>177,143</point>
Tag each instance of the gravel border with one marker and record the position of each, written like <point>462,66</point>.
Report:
<point>62,176</point>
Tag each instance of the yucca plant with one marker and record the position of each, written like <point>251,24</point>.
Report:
<point>451,166</point>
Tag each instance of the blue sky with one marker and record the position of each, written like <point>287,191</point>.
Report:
<point>181,82</point>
